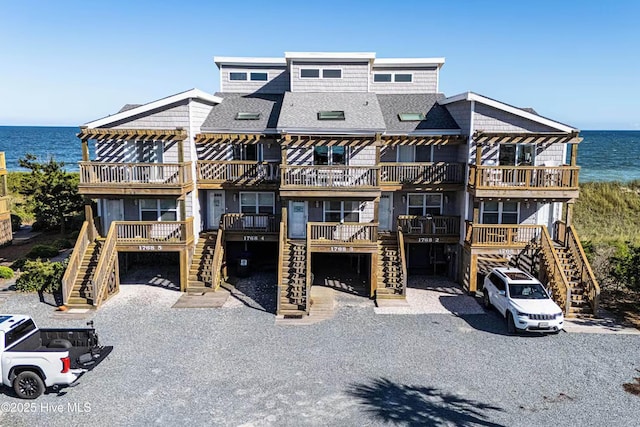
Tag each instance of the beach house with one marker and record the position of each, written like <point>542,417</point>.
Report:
<point>336,168</point>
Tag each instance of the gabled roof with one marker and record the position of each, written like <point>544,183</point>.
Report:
<point>127,107</point>
<point>144,108</point>
<point>362,113</point>
<point>437,118</point>
<point>222,117</point>
<point>471,96</point>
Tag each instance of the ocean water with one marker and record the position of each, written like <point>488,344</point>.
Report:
<point>602,155</point>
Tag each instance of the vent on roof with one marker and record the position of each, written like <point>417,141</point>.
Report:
<point>330,115</point>
<point>248,116</point>
<point>411,117</point>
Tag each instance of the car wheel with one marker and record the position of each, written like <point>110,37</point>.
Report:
<point>28,385</point>
<point>511,325</point>
<point>486,301</point>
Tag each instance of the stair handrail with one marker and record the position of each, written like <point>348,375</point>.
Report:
<point>554,272</point>
<point>106,265</point>
<point>587,277</point>
<point>403,261</point>
<point>216,261</point>
<point>75,260</point>
<point>282,241</point>
<point>307,273</point>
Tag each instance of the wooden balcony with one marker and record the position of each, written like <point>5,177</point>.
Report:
<point>429,229</point>
<point>396,176</point>
<point>214,174</point>
<point>100,178</point>
<point>341,181</point>
<point>501,235</point>
<point>559,182</point>
<point>153,236</point>
<point>251,227</point>
<point>348,237</point>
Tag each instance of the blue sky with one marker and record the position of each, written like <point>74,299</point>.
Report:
<point>69,62</point>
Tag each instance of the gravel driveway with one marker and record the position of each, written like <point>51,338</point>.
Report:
<point>235,366</point>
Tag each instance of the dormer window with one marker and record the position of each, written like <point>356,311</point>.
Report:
<point>330,73</point>
<point>330,115</point>
<point>320,73</point>
<point>237,76</point>
<point>260,77</point>
<point>247,116</point>
<point>393,77</point>
<point>403,78</point>
<point>411,117</point>
<point>310,73</point>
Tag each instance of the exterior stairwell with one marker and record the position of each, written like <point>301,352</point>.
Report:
<point>293,288</point>
<point>391,277</point>
<point>80,296</point>
<point>201,270</point>
<point>579,305</point>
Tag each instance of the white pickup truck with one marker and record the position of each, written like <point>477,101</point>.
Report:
<point>33,359</point>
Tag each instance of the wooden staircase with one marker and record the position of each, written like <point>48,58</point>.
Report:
<point>200,272</point>
<point>578,304</point>
<point>293,289</point>
<point>390,272</point>
<point>80,296</point>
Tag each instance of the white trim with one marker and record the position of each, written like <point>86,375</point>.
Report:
<point>408,62</point>
<point>500,211</point>
<point>257,205</point>
<point>158,210</point>
<point>245,60</point>
<point>424,202</point>
<point>470,96</point>
<point>430,132</point>
<point>342,210</point>
<point>337,131</point>
<point>190,94</point>
<point>324,56</point>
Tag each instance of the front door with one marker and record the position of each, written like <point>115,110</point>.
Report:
<point>113,211</point>
<point>297,219</point>
<point>384,211</point>
<point>216,208</point>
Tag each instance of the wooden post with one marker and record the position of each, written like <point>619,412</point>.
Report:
<point>476,213</point>
<point>180,151</point>
<point>568,214</point>
<point>88,216</point>
<point>183,209</point>
<point>376,214</point>
<point>85,150</point>
<point>473,273</point>
<point>478,154</point>
<point>184,269</point>
<point>374,274</point>
<point>574,155</point>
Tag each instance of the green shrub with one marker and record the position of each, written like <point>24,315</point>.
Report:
<point>5,272</point>
<point>18,264</point>
<point>16,222</point>
<point>63,244</point>
<point>42,251</point>
<point>74,235</point>
<point>37,226</point>
<point>40,275</point>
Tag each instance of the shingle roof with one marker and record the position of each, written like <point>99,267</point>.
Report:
<point>222,116</point>
<point>437,116</point>
<point>127,107</point>
<point>361,110</point>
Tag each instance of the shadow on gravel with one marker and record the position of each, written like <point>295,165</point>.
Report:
<point>420,406</point>
<point>494,323</point>
<point>259,291</point>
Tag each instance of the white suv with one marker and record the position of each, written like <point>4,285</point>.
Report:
<point>522,300</point>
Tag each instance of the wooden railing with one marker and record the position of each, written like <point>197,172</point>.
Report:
<point>154,232</point>
<point>104,276</point>
<point>501,235</point>
<point>135,173</point>
<point>523,177</point>
<point>421,173</point>
<point>237,171</point>
<point>281,247</point>
<point>330,176</point>
<point>587,277</point>
<point>350,232</point>
<point>429,225</point>
<point>553,273</point>
<point>255,223</point>
<point>403,260</point>
<point>75,260</point>
<point>216,261</point>
<point>560,232</point>
<point>3,163</point>
<point>5,204</point>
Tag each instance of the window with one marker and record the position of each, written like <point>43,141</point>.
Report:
<point>344,211</point>
<point>412,153</point>
<point>332,73</point>
<point>329,155</point>
<point>382,78</point>
<point>144,151</point>
<point>158,210</point>
<point>411,117</point>
<point>237,76</point>
<point>500,212</point>
<point>262,77</point>
<point>18,331</point>
<point>403,78</point>
<point>247,152</point>
<point>330,115</point>
<point>309,73</point>
<point>517,154</point>
<point>247,116</point>
<point>257,203</point>
<point>497,282</point>
<point>424,204</point>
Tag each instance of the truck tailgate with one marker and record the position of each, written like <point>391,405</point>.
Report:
<point>90,359</point>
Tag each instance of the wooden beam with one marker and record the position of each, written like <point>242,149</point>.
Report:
<point>123,134</point>
<point>574,155</point>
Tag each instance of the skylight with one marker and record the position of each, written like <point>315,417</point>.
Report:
<point>330,115</point>
<point>247,116</point>
<point>411,117</point>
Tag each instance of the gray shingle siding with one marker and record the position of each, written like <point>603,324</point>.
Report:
<point>461,113</point>
<point>424,80</point>
<point>490,119</point>
<point>277,80</point>
<point>170,117</point>
<point>355,77</point>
